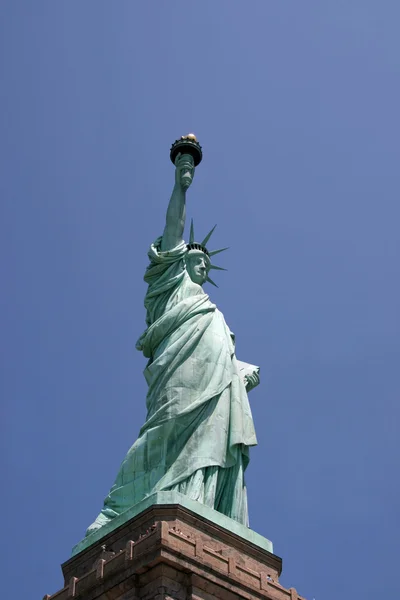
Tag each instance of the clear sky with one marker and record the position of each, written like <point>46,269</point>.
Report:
<point>296,104</point>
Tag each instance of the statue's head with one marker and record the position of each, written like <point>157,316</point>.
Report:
<point>198,258</point>
<point>197,265</point>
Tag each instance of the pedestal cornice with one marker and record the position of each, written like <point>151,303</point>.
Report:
<point>167,552</point>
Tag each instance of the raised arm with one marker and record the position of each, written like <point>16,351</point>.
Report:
<point>176,213</point>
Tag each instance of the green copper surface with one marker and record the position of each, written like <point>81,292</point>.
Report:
<point>171,498</point>
<point>199,426</point>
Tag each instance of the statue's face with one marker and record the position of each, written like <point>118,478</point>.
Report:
<point>197,265</point>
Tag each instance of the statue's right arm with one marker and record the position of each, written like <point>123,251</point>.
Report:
<point>175,220</point>
<point>176,213</point>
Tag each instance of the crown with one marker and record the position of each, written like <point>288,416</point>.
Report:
<point>192,245</point>
<point>197,246</point>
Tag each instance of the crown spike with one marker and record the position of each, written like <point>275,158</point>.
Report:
<point>191,237</point>
<point>217,268</point>
<point>204,242</point>
<point>211,281</point>
<point>213,252</point>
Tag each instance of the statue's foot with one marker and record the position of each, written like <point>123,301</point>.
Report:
<point>98,523</point>
<point>92,528</point>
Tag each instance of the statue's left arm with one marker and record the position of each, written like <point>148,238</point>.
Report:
<point>250,375</point>
<point>252,381</point>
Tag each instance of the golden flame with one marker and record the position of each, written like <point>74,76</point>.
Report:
<point>189,136</point>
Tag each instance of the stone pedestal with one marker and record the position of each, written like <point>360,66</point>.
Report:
<point>170,552</point>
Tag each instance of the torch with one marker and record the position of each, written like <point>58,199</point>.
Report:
<point>190,149</point>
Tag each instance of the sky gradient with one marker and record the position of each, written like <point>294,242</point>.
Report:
<point>296,105</point>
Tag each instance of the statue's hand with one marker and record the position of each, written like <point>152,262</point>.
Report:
<point>184,171</point>
<point>251,381</point>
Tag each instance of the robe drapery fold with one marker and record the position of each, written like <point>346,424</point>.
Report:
<point>199,426</point>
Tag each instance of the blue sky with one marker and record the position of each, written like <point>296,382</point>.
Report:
<point>296,105</point>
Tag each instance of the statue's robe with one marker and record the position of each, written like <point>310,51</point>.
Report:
<point>199,425</point>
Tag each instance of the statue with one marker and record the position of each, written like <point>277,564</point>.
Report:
<point>199,426</point>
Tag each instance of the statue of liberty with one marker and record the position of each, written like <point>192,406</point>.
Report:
<point>199,426</point>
